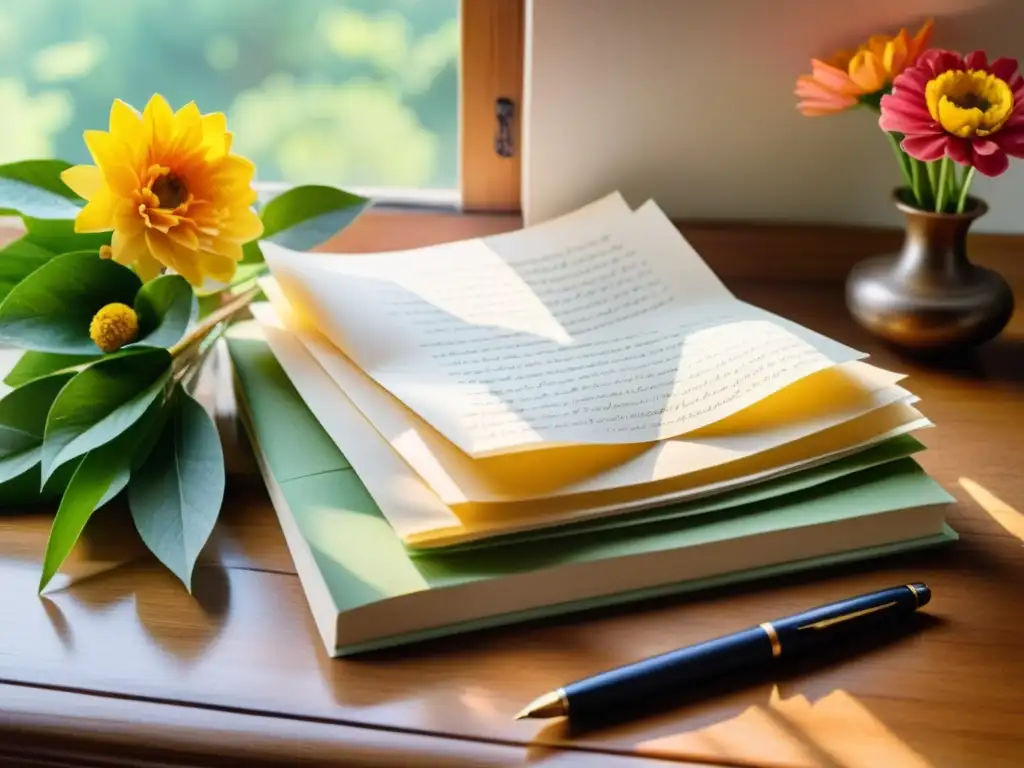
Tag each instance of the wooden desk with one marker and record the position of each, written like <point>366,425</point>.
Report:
<point>126,664</point>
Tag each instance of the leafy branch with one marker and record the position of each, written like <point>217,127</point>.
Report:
<point>86,427</point>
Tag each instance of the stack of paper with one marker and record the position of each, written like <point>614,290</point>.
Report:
<point>581,393</point>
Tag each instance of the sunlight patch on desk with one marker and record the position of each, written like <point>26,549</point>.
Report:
<point>836,731</point>
<point>1011,519</point>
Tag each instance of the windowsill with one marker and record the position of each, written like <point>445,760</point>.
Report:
<point>777,253</point>
<point>403,197</point>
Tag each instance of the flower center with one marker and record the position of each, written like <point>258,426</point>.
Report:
<point>969,103</point>
<point>114,326</point>
<point>170,191</point>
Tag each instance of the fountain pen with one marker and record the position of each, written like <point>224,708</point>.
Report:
<point>616,689</point>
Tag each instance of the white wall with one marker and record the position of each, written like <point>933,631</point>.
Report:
<point>690,102</point>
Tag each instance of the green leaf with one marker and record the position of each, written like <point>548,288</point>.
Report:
<point>34,188</point>
<point>304,217</point>
<point>22,423</point>
<point>18,260</point>
<point>50,310</point>
<point>176,495</point>
<point>16,464</point>
<point>102,474</point>
<point>34,365</point>
<point>101,402</point>
<point>26,489</point>
<point>23,414</point>
<point>59,236</point>
<point>165,306</point>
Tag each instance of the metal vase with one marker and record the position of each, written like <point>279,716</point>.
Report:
<point>929,297</point>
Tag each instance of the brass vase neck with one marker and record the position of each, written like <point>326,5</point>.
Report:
<point>935,245</point>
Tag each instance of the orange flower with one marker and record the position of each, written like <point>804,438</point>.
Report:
<point>168,186</point>
<point>852,77</point>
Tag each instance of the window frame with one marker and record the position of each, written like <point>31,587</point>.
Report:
<point>490,68</point>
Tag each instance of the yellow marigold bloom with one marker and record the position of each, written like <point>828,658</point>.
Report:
<point>168,186</point>
<point>114,326</point>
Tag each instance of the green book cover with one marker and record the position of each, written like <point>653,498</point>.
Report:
<point>366,590</point>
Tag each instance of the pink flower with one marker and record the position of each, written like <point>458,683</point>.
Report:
<point>959,107</point>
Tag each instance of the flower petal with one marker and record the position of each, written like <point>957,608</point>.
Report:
<point>220,268</point>
<point>147,268</point>
<point>976,60</point>
<point>184,236</point>
<point>920,42</point>
<point>122,179</point>
<point>84,180</point>
<point>216,139</point>
<point>243,226</point>
<point>991,163</point>
<point>1004,68</point>
<point>896,53</point>
<point>927,148</point>
<point>174,257</point>
<point>127,249</point>
<point>126,218</point>
<point>1011,139</point>
<point>226,248</point>
<point>959,150</point>
<point>833,78</point>
<point>914,79</point>
<point>125,122</point>
<point>868,71</point>
<point>158,121</point>
<point>107,151</point>
<point>187,128</point>
<point>98,214</point>
<point>905,116</point>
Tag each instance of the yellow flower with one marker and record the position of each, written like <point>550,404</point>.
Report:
<point>168,186</point>
<point>114,326</point>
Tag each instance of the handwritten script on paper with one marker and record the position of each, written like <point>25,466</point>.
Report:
<point>583,340</point>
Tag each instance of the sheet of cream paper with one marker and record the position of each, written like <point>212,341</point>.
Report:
<point>822,401</point>
<point>421,519</point>
<point>576,331</point>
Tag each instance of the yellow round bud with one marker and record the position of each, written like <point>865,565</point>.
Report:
<point>114,326</point>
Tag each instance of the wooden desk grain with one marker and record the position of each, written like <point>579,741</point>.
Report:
<point>124,662</point>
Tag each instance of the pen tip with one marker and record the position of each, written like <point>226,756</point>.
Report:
<point>553,704</point>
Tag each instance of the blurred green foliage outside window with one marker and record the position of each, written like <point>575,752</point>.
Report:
<point>349,92</point>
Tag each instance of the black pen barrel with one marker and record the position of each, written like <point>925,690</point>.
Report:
<point>675,671</point>
<point>828,624</point>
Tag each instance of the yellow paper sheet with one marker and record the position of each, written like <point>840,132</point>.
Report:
<point>421,519</point>
<point>584,330</point>
<point>818,402</point>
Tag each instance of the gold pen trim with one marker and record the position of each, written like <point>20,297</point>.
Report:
<point>773,637</point>
<point>916,594</point>
<point>824,623</point>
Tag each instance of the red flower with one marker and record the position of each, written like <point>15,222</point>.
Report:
<point>959,107</point>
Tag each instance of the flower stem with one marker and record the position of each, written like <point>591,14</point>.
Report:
<point>943,191</point>
<point>233,307</point>
<point>933,180</point>
<point>901,157</point>
<point>915,183</point>
<point>965,188</point>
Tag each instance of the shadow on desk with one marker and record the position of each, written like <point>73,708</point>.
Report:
<point>779,713</point>
<point>1000,361</point>
<point>183,626</point>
